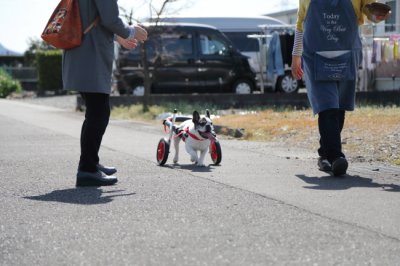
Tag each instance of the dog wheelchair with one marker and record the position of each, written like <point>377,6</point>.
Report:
<point>173,130</point>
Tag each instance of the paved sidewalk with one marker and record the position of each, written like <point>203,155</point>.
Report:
<point>265,205</point>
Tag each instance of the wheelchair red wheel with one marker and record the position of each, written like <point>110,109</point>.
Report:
<point>162,151</point>
<point>215,152</point>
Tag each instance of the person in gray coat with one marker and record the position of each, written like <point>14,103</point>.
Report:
<point>88,70</point>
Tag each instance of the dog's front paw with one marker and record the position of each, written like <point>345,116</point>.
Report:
<point>175,160</point>
<point>199,164</point>
<point>193,159</point>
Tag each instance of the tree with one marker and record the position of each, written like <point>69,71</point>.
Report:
<point>35,45</point>
<point>156,10</point>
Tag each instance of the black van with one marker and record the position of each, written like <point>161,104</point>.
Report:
<point>185,58</point>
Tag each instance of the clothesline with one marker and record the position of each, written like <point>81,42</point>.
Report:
<point>259,36</point>
<point>276,26</point>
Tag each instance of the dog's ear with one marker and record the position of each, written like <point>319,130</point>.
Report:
<point>196,117</point>
<point>208,113</point>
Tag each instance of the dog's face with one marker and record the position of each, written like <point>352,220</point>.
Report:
<point>203,125</point>
<point>198,133</point>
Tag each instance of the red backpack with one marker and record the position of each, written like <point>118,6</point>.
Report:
<point>64,28</point>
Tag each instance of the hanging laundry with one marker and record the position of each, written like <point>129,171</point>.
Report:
<point>385,52</point>
<point>374,51</point>
<point>367,58</point>
<point>390,51</point>
<point>370,65</point>
<point>287,42</point>
<point>378,52</point>
<point>396,50</point>
<point>274,57</point>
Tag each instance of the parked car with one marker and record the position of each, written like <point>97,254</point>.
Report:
<point>185,58</point>
<point>249,35</point>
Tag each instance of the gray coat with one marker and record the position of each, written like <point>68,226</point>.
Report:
<point>88,68</point>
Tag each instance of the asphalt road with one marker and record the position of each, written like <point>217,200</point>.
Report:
<point>264,205</point>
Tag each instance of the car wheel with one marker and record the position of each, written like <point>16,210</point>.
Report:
<point>287,83</point>
<point>138,89</point>
<point>242,86</point>
<point>121,88</point>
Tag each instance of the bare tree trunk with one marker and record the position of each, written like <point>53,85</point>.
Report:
<point>146,77</point>
<point>146,81</point>
<point>143,49</point>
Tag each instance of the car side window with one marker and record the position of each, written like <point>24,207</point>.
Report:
<point>176,45</point>
<point>212,45</point>
<point>152,48</point>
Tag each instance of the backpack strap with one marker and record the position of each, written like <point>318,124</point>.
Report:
<point>94,23</point>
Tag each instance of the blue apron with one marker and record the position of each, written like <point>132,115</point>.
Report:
<point>332,52</point>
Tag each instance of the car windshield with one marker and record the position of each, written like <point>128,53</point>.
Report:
<point>242,42</point>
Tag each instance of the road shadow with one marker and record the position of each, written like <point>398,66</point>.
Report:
<point>82,196</point>
<point>192,167</point>
<point>329,182</point>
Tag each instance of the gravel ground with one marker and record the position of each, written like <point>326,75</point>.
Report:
<point>358,145</point>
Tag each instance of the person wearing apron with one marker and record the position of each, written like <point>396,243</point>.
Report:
<point>330,50</point>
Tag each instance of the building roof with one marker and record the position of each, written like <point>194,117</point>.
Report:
<point>284,12</point>
<point>226,24</point>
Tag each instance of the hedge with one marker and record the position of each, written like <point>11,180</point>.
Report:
<point>49,70</point>
<point>8,85</point>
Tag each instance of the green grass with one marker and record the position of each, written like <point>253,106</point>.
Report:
<point>135,112</point>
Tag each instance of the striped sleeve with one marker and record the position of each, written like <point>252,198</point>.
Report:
<point>298,43</point>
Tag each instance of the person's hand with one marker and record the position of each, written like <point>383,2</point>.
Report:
<point>127,43</point>
<point>297,71</point>
<point>140,33</point>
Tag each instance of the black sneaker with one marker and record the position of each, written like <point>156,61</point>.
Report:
<point>94,179</point>
<point>324,164</point>
<point>108,170</point>
<point>339,166</point>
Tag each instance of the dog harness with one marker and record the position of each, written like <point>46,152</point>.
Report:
<point>185,133</point>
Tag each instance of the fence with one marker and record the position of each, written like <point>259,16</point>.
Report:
<point>23,74</point>
<point>26,75</point>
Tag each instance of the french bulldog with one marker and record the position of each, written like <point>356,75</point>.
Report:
<point>197,135</point>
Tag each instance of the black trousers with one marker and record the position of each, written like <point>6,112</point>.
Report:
<point>94,126</point>
<point>330,124</point>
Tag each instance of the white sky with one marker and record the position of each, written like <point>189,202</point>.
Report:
<point>24,19</point>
